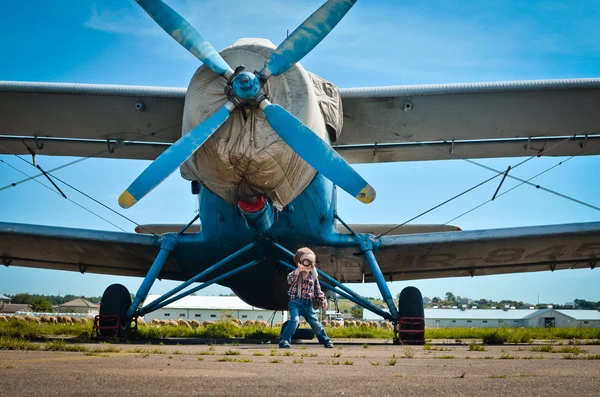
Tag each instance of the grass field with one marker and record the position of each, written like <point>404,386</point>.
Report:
<point>222,330</point>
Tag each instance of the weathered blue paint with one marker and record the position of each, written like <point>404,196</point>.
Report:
<point>153,306</point>
<point>248,265</point>
<point>380,280</point>
<point>246,85</point>
<point>185,34</point>
<point>261,220</point>
<point>173,157</point>
<point>344,292</point>
<point>316,152</point>
<point>168,245</point>
<point>306,36</point>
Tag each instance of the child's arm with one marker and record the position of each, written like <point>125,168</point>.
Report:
<point>293,276</point>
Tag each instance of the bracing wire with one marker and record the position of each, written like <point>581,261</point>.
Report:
<point>527,182</point>
<point>498,173</point>
<point>54,191</point>
<point>80,192</point>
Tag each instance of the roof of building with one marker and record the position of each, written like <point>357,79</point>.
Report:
<point>581,314</point>
<point>478,314</point>
<point>15,307</point>
<point>4,298</point>
<point>206,302</point>
<point>80,302</point>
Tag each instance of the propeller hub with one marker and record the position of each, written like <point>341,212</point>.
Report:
<point>246,85</point>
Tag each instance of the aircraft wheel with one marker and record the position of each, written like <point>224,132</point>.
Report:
<point>301,333</point>
<point>115,302</point>
<point>412,316</point>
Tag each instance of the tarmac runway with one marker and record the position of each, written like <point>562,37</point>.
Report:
<point>349,369</point>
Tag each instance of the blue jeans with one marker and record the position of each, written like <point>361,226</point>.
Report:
<point>303,307</point>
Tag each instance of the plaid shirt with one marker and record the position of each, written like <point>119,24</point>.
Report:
<point>310,288</point>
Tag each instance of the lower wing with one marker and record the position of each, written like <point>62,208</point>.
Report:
<point>471,253</point>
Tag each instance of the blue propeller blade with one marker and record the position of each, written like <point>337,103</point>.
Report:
<point>316,152</point>
<point>185,34</point>
<point>173,157</point>
<point>306,37</point>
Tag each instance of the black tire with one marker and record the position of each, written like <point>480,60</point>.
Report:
<point>115,301</point>
<point>300,333</point>
<point>411,309</point>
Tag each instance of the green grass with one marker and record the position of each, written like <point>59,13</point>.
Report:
<point>223,330</point>
<point>571,349</point>
<point>337,354</point>
<point>392,361</point>
<point>507,356</point>
<point>288,354</point>
<point>476,348</point>
<point>61,345</point>
<point>308,355</point>
<point>227,359</point>
<point>146,351</point>
<point>543,348</point>
<point>348,362</point>
<point>96,354</point>
<point>18,344</point>
<point>258,354</point>
<point>444,357</point>
<point>298,361</point>
<point>275,361</point>
<point>232,353</point>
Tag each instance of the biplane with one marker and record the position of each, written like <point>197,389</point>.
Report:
<point>266,145</point>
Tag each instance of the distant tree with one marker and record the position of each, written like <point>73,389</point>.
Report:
<point>586,305</point>
<point>357,311</point>
<point>42,305</point>
<point>450,297</point>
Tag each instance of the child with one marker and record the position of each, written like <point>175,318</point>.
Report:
<point>304,288</point>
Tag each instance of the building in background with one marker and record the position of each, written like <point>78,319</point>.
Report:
<point>4,299</point>
<point>498,318</point>
<point>212,308</point>
<point>79,305</point>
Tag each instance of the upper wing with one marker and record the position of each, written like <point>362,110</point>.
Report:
<point>90,120</point>
<point>478,120</point>
<point>472,253</point>
<point>382,124</point>
<point>47,247</point>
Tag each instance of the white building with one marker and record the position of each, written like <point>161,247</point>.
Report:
<point>212,308</point>
<point>497,318</point>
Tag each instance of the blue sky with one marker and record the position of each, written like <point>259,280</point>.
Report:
<point>378,43</point>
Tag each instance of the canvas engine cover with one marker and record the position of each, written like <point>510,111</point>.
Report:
<point>246,158</point>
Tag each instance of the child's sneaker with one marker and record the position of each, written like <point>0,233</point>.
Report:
<point>328,345</point>
<point>284,344</point>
